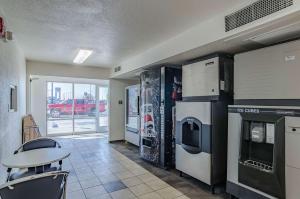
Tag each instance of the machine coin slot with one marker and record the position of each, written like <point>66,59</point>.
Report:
<point>147,143</point>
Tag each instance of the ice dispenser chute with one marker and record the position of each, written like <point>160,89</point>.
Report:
<point>262,152</point>
<point>191,137</point>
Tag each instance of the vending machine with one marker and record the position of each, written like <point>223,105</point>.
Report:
<point>132,116</point>
<point>160,88</point>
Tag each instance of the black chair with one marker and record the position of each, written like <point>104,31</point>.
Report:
<point>51,185</point>
<point>32,145</point>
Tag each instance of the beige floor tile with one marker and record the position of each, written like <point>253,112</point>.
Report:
<point>169,193</point>
<point>139,171</point>
<point>124,174</point>
<point>94,191</point>
<point>108,178</point>
<point>72,179</point>
<point>123,194</point>
<point>141,189</point>
<point>104,196</point>
<point>133,181</point>
<point>152,195</point>
<point>84,176</point>
<point>76,195</point>
<point>90,183</point>
<point>157,184</point>
<point>183,197</point>
<point>147,177</point>
<point>73,186</point>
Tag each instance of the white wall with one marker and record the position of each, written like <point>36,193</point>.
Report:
<point>12,71</point>
<point>201,35</point>
<point>117,111</point>
<point>63,70</point>
<point>38,103</point>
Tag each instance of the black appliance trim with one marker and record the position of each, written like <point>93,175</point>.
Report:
<point>266,111</point>
<point>200,98</point>
<point>219,137</point>
<point>242,192</point>
<point>166,102</point>
<point>268,102</point>
<point>191,149</point>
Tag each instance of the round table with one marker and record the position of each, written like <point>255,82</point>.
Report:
<point>35,158</point>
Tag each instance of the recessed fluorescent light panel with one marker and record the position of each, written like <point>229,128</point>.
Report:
<point>82,56</point>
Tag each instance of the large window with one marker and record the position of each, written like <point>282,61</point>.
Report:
<point>59,108</point>
<point>84,108</point>
<point>76,108</point>
<point>103,109</point>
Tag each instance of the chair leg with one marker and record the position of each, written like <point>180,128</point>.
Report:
<point>65,190</point>
<point>8,174</point>
<point>60,165</point>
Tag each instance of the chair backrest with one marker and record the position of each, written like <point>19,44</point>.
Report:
<point>43,186</point>
<point>40,143</point>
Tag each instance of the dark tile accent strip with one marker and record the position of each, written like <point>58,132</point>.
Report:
<point>114,186</point>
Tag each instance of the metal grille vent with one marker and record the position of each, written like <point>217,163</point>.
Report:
<point>254,11</point>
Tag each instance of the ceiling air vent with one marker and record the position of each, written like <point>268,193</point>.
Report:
<point>117,69</point>
<point>254,11</point>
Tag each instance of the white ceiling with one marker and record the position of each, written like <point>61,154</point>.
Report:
<point>54,30</point>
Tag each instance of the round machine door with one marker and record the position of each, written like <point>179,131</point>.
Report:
<point>191,135</point>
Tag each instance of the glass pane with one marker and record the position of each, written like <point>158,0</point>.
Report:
<point>59,108</point>
<point>103,109</point>
<point>132,107</point>
<point>84,108</point>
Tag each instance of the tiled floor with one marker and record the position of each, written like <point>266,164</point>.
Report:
<point>189,186</point>
<point>99,171</point>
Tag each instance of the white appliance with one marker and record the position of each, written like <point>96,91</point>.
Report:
<point>201,118</point>
<point>267,75</point>
<point>132,117</point>
<point>193,150</point>
<point>210,76</point>
<point>265,178</point>
<point>201,135</point>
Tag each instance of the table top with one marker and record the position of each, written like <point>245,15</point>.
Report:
<point>35,158</point>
